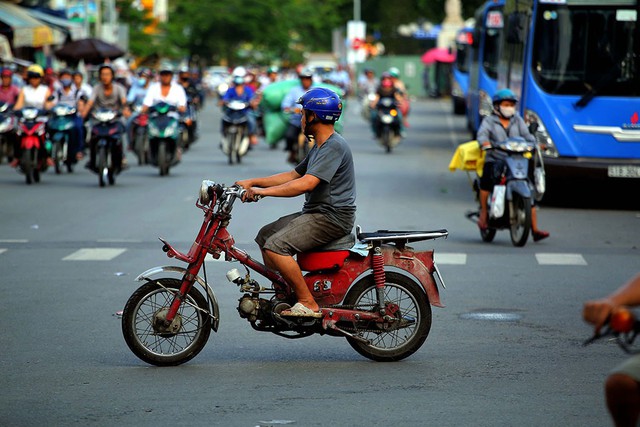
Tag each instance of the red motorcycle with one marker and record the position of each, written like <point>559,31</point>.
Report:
<point>31,131</point>
<point>385,315</point>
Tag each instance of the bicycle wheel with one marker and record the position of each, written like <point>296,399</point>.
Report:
<point>393,340</point>
<point>148,337</point>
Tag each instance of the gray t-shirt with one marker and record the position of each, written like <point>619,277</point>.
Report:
<point>111,102</point>
<point>335,195</point>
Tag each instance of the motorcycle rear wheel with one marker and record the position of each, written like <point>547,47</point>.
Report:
<point>145,336</point>
<point>391,344</point>
<point>520,229</point>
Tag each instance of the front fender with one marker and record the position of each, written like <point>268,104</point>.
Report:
<point>520,187</point>
<point>215,310</point>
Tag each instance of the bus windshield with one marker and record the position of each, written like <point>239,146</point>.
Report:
<point>593,49</point>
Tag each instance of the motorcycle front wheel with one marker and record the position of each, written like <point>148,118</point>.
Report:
<point>56,154</point>
<point>101,164</point>
<point>27,165</point>
<point>163,161</point>
<point>397,340</point>
<point>146,334</point>
<point>521,227</point>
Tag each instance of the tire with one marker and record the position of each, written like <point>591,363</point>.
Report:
<point>386,138</point>
<point>56,154</point>
<point>139,146</point>
<point>522,227</point>
<point>388,346</point>
<point>165,349</point>
<point>163,162</point>
<point>26,163</point>
<point>239,138</point>
<point>488,234</point>
<point>101,165</point>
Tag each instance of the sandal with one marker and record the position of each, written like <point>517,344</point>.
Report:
<point>299,310</point>
<point>539,235</point>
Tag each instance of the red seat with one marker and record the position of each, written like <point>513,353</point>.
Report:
<point>313,261</point>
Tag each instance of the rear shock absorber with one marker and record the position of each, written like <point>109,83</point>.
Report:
<point>377,263</point>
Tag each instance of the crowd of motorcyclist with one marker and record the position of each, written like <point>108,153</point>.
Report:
<point>44,89</point>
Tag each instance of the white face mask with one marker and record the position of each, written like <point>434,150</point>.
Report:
<point>507,112</point>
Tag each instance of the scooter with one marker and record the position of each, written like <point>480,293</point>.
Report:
<point>31,130</point>
<point>106,132</point>
<point>7,126</point>
<point>387,124</point>
<point>164,133</point>
<point>376,293</point>
<point>510,202</point>
<point>59,127</point>
<point>235,130</point>
<point>139,134</point>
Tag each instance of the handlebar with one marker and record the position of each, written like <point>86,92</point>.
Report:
<point>623,326</point>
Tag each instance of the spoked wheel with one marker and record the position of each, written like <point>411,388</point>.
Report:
<point>521,227</point>
<point>394,340</point>
<point>150,339</point>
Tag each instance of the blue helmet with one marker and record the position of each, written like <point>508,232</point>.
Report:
<point>504,95</point>
<point>325,103</point>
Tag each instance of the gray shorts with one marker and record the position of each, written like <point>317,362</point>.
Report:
<point>297,233</point>
<point>630,367</point>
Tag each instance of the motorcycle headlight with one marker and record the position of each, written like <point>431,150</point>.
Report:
<point>172,128</point>
<point>545,143</point>
<point>30,113</point>
<point>486,105</point>
<point>153,129</point>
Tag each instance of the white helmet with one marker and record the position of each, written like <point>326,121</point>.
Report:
<point>239,72</point>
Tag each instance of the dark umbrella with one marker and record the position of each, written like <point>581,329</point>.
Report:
<point>90,50</point>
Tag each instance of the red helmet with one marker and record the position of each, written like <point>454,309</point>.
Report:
<point>6,72</point>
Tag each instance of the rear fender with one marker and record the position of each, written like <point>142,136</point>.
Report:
<point>215,310</point>
<point>419,265</point>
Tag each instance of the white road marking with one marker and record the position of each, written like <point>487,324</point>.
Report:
<point>450,258</point>
<point>560,259</point>
<point>13,241</point>
<point>2,250</point>
<point>118,241</point>
<point>94,254</point>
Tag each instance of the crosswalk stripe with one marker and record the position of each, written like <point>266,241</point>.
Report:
<point>14,241</point>
<point>2,250</point>
<point>94,254</point>
<point>560,259</point>
<point>450,258</point>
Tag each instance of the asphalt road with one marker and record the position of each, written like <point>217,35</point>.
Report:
<point>505,351</point>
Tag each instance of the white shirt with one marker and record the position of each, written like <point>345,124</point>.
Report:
<point>35,97</point>
<point>176,95</point>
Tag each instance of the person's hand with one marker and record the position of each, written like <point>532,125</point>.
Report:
<point>252,194</point>
<point>245,183</point>
<point>485,145</point>
<point>597,312</point>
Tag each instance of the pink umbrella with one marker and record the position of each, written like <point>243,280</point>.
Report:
<point>438,54</point>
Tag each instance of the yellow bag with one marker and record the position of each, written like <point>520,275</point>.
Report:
<point>468,157</point>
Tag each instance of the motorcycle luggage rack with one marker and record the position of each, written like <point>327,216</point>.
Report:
<point>400,238</point>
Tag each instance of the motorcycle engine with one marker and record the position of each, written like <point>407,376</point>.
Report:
<point>252,308</point>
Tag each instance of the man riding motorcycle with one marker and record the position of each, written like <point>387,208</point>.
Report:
<point>68,94</point>
<point>33,94</point>
<point>135,97</point>
<point>109,95</point>
<point>622,387</point>
<point>241,92</point>
<point>504,122</point>
<point>385,90</point>
<point>326,177</point>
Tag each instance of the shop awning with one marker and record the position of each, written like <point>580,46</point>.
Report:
<point>74,29</point>
<point>27,31</point>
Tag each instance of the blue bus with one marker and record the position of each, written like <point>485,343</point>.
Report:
<point>460,70</point>
<point>575,65</point>
<point>483,71</point>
